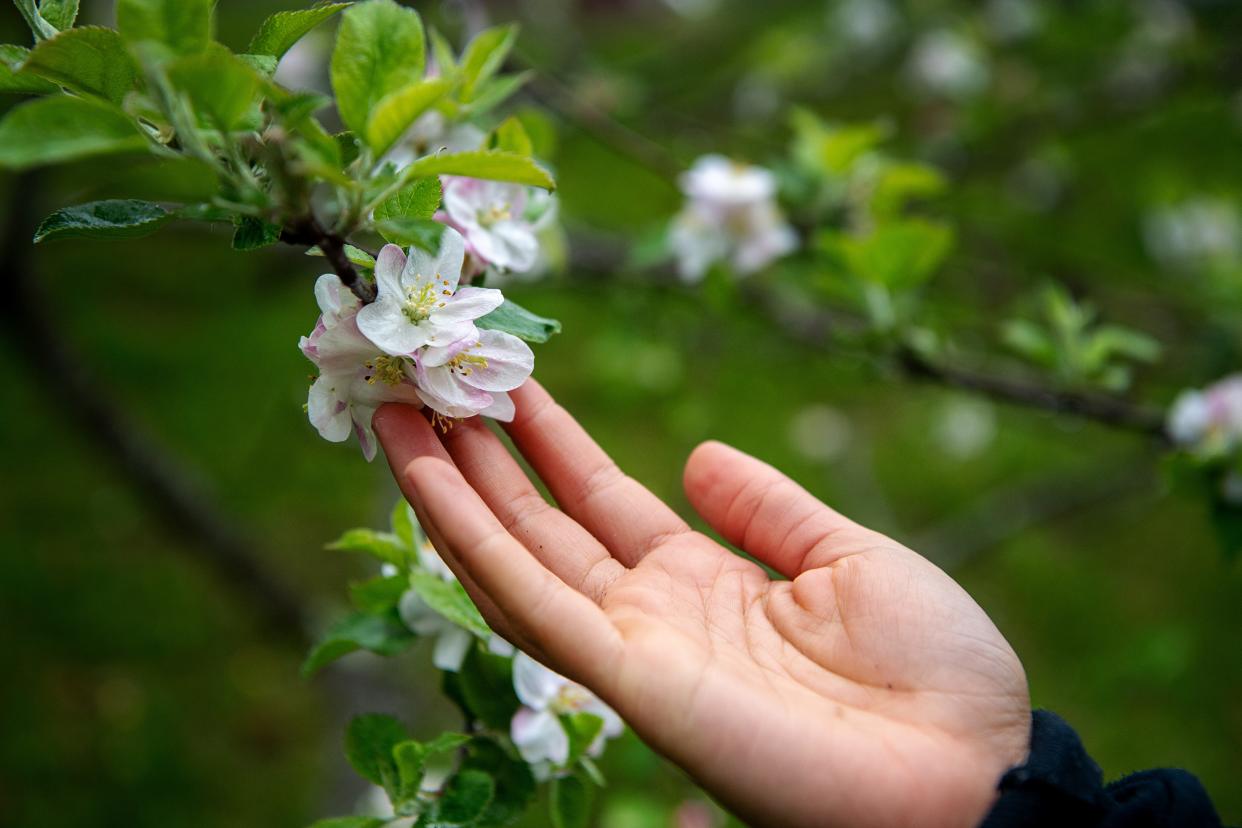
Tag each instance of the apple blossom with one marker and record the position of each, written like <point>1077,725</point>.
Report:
<point>731,215</point>
<point>493,218</point>
<point>1209,420</point>
<point>419,302</point>
<point>536,728</point>
<point>355,376</point>
<point>473,375</point>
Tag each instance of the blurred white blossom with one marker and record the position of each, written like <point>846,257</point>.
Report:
<point>537,730</point>
<point>965,428</point>
<point>946,63</point>
<point>1198,231</point>
<point>820,432</point>
<point>1011,20</point>
<point>864,24</point>
<point>730,215</point>
<point>1208,421</point>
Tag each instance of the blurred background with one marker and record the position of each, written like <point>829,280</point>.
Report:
<point>164,505</point>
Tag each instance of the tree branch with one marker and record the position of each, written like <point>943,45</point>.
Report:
<point>173,496</point>
<point>308,232</point>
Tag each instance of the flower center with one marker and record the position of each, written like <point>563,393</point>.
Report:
<point>571,698</point>
<point>497,212</point>
<point>421,301</point>
<point>465,362</point>
<point>385,369</point>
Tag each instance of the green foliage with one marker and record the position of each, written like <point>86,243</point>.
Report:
<point>899,256</point>
<point>39,25</point>
<point>54,130</point>
<point>283,29</point>
<point>116,219</point>
<point>91,60</point>
<point>369,745</point>
<point>512,318</point>
<point>219,86</point>
<point>417,200</point>
<point>380,634</point>
<point>378,595</point>
<point>394,113</point>
<point>254,234</point>
<point>449,599</point>
<point>383,546</point>
<point>12,79</point>
<point>350,822</point>
<point>60,13</point>
<point>482,58</point>
<point>495,165</point>
<point>569,803</point>
<point>181,27</point>
<point>379,49</point>
<point>464,800</point>
<point>511,136</point>
<point>484,684</point>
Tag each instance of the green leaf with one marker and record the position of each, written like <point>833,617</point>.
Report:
<point>369,744</point>
<point>393,114</point>
<point>569,803</point>
<point>38,24</point>
<point>361,258</point>
<point>253,234</point>
<point>496,91</point>
<point>12,80</point>
<point>486,684</point>
<point>221,87</point>
<point>421,233</point>
<point>449,599</point>
<point>511,137</point>
<point>351,822</point>
<point>483,57</point>
<point>387,548</point>
<point>379,50</point>
<point>283,29</point>
<point>265,65</point>
<point>582,729</point>
<point>446,61</point>
<point>120,219</point>
<point>411,758</point>
<point>60,13</point>
<point>515,787</point>
<point>181,27</point>
<point>381,634</point>
<point>51,130</point>
<point>418,200</point>
<point>378,595</point>
<point>514,319</point>
<point>404,524</point>
<point>465,798</point>
<point>899,255</point>
<point>493,165</point>
<point>91,60</point>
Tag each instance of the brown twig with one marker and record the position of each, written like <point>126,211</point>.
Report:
<point>175,498</point>
<point>308,232</point>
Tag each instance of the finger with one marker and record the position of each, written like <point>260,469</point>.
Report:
<point>406,425</point>
<point>615,508</point>
<point>552,536</point>
<point>576,636</point>
<point>755,507</point>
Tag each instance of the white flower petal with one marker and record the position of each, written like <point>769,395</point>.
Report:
<point>362,428</point>
<point>468,304</point>
<point>517,247</point>
<point>452,255</point>
<point>536,686</point>
<point>539,737</point>
<point>327,408</point>
<point>384,323</point>
<point>509,362</point>
<point>502,407</point>
<point>389,265</point>
<point>451,648</point>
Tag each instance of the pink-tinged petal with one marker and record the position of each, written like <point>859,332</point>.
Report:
<point>434,356</point>
<point>450,331</point>
<point>536,686</point>
<point>442,384</point>
<point>468,304</point>
<point>539,737</point>
<point>362,429</point>
<point>326,408</point>
<point>333,298</point>
<point>519,249</point>
<point>509,361</point>
<point>389,265</point>
<point>384,323</point>
<point>502,407</point>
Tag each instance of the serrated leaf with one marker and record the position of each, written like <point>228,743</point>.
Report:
<point>181,27</point>
<point>449,599</point>
<point>514,319</point>
<point>511,136</point>
<point>379,49</point>
<point>91,60</point>
<point>381,634</point>
<point>13,80</point>
<point>387,548</point>
<point>493,165</point>
<point>118,219</point>
<point>283,29</point>
<point>569,803</point>
<point>38,24</point>
<point>265,65</point>
<point>51,130</point>
<point>483,57</point>
<point>254,234</point>
<point>221,87</point>
<point>369,744</point>
<point>421,233</point>
<point>60,13</point>
<point>418,200</point>
<point>465,798</point>
<point>394,113</point>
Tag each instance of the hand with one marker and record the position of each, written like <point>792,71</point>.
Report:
<point>866,690</point>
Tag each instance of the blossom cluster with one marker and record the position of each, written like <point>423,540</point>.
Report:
<point>538,729</point>
<point>418,342</point>
<point>1209,421</point>
<point>730,216</point>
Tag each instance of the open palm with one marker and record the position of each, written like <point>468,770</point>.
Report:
<point>869,689</point>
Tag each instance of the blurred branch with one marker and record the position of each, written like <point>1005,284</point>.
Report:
<point>174,497</point>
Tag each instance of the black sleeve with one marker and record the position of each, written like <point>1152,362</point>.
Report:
<point>1061,786</point>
